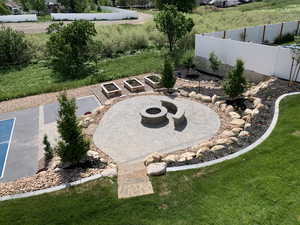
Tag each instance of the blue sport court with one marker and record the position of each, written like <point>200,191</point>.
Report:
<point>6,130</point>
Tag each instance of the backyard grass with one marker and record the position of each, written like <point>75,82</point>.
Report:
<point>38,78</point>
<point>126,39</point>
<point>260,187</point>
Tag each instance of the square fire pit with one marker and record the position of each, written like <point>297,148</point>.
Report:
<point>111,90</point>
<point>134,85</point>
<point>153,80</point>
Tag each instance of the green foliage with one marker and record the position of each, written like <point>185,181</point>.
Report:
<point>214,62</point>
<point>69,47</point>
<point>48,151</point>
<point>284,39</point>
<point>38,5</point>
<point>182,5</point>
<point>14,48</point>
<point>173,24</point>
<point>3,9</point>
<point>188,60</point>
<point>73,146</point>
<point>168,79</point>
<point>75,6</point>
<point>235,84</point>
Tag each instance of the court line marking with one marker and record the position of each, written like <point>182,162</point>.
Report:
<point>8,147</point>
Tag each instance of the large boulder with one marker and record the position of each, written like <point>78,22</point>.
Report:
<point>206,99</point>
<point>192,94</point>
<point>157,169</point>
<point>152,158</point>
<point>111,172</point>
<point>170,158</point>
<point>187,156</point>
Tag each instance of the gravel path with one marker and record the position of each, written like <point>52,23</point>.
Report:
<point>41,27</point>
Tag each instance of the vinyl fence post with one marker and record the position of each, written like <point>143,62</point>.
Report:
<point>245,33</point>
<point>297,31</point>
<point>264,33</point>
<point>224,36</point>
<point>281,29</point>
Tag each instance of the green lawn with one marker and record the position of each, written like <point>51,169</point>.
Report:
<point>126,39</point>
<point>260,187</point>
<point>38,78</point>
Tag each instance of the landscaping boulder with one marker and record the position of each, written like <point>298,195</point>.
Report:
<point>206,99</point>
<point>234,115</point>
<point>236,130</point>
<point>217,147</point>
<point>214,99</point>
<point>152,158</point>
<point>170,158</point>
<point>192,94</point>
<point>238,122</point>
<point>187,156</point>
<point>157,169</point>
<point>228,133</point>
<point>244,133</point>
<point>111,172</point>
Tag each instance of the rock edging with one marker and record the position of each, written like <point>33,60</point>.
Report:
<point>243,151</point>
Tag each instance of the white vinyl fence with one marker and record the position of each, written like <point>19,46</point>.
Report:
<point>117,14</point>
<point>18,18</point>
<point>263,59</point>
<point>259,34</point>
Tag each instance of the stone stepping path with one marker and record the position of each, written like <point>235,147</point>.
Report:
<point>133,180</point>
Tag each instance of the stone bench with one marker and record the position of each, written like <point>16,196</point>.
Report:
<point>178,114</point>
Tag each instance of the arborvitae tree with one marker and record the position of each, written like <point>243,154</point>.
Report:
<point>48,151</point>
<point>235,84</point>
<point>173,24</point>
<point>73,146</point>
<point>168,79</point>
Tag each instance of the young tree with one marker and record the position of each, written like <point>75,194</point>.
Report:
<point>69,47</point>
<point>48,151</point>
<point>182,5</point>
<point>173,24</point>
<point>38,5</point>
<point>73,146</point>
<point>14,48</point>
<point>168,79</point>
<point>235,84</point>
<point>214,62</point>
<point>75,6</point>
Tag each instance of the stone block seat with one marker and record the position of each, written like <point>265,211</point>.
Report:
<point>178,114</point>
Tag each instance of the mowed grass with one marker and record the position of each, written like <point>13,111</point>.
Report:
<point>39,78</point>
<point>260,187</point>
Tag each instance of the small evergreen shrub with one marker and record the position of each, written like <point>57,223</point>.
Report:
<point>48,151</point>
<point>284,39</point>
<point>214,62</point>
<point>235,84</point>
<point>73,146</point>
<point>168,79</point>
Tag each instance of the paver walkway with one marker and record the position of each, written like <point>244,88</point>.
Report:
<point>133,180</point>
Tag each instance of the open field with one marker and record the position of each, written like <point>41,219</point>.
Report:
<point>260,187</point>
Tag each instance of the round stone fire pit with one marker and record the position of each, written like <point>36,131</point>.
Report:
<point>154,115</point>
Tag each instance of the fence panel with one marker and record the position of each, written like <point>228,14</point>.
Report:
<point>290,28</point>
<point>236,35</point>
<point>18,18</point>
<point>255,34</point>
<point>272,32</point>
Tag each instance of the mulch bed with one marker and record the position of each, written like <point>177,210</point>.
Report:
<point>259,124</point>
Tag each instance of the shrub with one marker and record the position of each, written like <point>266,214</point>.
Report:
<point>3,9</point>
<point>284,39</point>
<point>188,60</point>
<point>173,24</point>
<point>73,146</point>
<point>48,151</point>
<point>182,5</point>
<point>14,48</point>
<point>168,79</point>
<point>214,62</point>
<point>69,47</point>
<point>235,84</point>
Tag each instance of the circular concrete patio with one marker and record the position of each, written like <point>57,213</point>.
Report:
<point>123,137</point>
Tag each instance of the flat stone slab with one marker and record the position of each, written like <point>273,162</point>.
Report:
<point>133,180</point>
<point>124,138</point>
